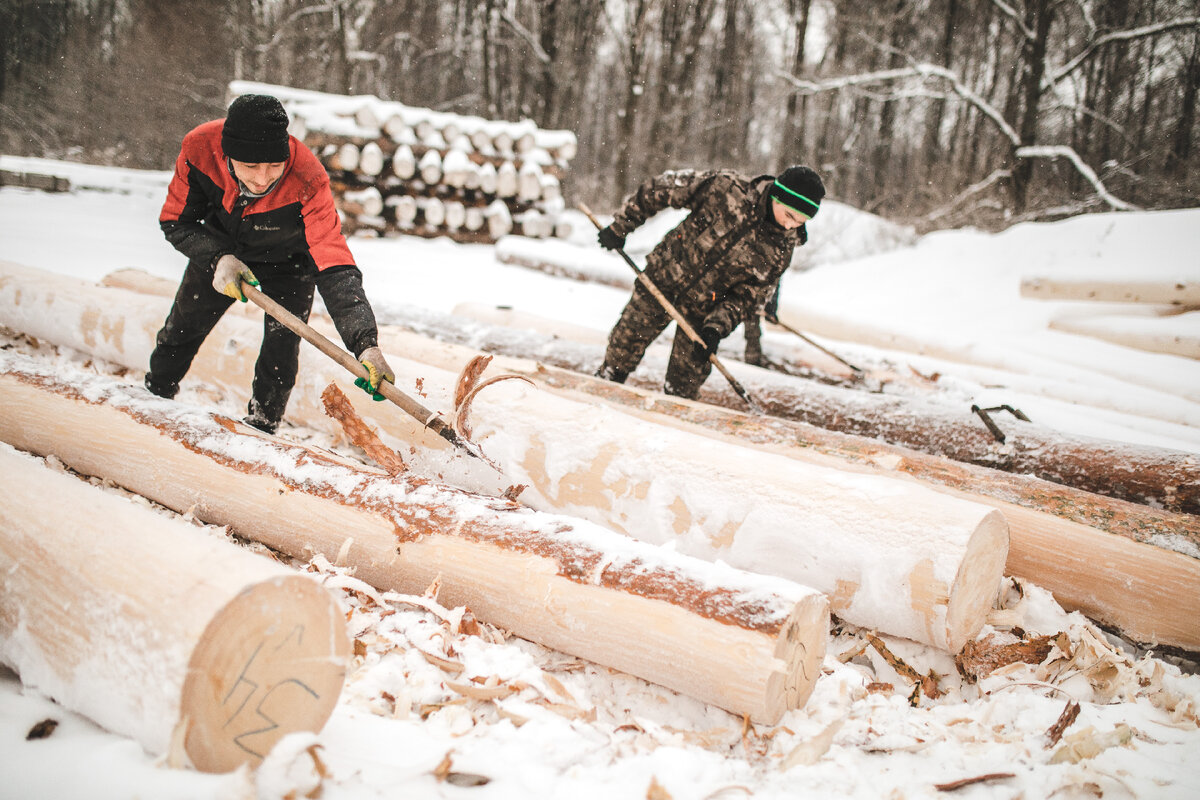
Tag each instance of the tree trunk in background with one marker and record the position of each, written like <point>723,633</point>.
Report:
<point>636,30</point>
<point>886,176</point>
<point>1038,17</point>
<point>793,149</point>
<point>932,147</point>
<point>1181,143</point>
<point>681,26</point>
<point>722,135</point>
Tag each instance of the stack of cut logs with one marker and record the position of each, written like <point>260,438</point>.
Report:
<point>400,169</point>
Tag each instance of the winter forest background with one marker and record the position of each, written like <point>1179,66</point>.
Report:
<point>935,113</point>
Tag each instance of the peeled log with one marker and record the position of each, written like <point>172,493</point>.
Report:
<point>1175,335</point>
<point>747,643</point>
<point>1179,292</point>
<point>892,556</point>
<point>156,630</point>
<point>1144,589</point>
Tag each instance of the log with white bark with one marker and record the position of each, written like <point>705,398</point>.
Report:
<point>529,182</point>
<point>200,651</point>
<point>1181,292</point>
<point>404,163</point>
<point>1059,534</point>
<point>473,218</point>
<point>433,211</point>
<point>366,201</point>
<point>488,178</point>
<point>402,208</point>
<point>1177,335</point>
<point>498,218</point>
<point>455,168</point>
<point>456,215</point>
<point>507,180</point>
<point>893,556</point>
<point>343,157</point>
<point>370,159</point>
<point>429,167</point>
<point>748,643</point>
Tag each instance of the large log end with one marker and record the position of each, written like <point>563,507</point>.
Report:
<point>977,582</point>
<point>800,650</point>
<point>271,663</point>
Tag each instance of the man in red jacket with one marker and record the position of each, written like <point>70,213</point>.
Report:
<point>248,202</point>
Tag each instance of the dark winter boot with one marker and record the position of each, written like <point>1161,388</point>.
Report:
<point>256,418</point>
<point>167,390</point>
<point>611,374</point>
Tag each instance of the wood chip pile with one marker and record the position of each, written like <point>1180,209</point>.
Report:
<point>400,169</point>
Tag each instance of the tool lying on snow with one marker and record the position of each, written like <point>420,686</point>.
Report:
<point>679,320</point>
<point>302,329</point>
<point>990,423</point>
<point>858,373</point>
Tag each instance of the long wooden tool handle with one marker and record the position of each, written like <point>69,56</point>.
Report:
<point>827,352</point>
<point>683,324</point>
<point>305,331</point>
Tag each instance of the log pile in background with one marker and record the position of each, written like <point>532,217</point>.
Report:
<point>399,169</point>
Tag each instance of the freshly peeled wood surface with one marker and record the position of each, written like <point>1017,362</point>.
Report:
<point>155,630</point>
<point>1142,474</point>
<point>892,556</point>
<point>1126,565</point>
<point>1147,554</point>
<point>748,643</point>
<point>1179,293</point>
<point>1177,335</point>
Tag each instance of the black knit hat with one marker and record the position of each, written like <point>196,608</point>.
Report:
<point>800,189</point>
<point>256,130</point>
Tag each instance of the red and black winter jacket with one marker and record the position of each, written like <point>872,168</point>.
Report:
<point>205,217</point>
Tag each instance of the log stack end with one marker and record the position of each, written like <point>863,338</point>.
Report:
<point>270,663</point>
<point>977,583</point>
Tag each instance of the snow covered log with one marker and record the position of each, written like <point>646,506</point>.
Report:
<point>1139,473</point>
<point>892,556</point>
<point>196,649</point>
<point>1177,335</point>
<point>1127,565</point>
<point>748,643</point>
<point>1179,292</point>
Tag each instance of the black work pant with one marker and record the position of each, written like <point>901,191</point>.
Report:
<point>197,309</point>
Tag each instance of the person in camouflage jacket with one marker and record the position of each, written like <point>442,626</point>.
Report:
<point>717,267</point>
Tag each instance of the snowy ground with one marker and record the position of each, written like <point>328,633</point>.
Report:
<point>947,303</point>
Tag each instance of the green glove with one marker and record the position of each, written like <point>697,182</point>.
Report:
<point>378,371</point>
<point>229,274</point>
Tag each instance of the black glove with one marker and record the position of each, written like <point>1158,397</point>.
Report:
<point>610,239</point>
<point>712,340</point>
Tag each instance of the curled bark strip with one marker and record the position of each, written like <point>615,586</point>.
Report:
<point>338,407</point>
<point>469,377</point>
<point>461,426</point>
<point>928,683</point>
<point>994,776</point>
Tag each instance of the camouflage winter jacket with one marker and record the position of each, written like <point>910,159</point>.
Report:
<point>722,261</point>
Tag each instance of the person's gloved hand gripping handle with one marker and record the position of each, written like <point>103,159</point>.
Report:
<point>229,274</point>
<point>378,370</point>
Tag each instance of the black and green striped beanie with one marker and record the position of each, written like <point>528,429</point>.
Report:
<point>800,189</point>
